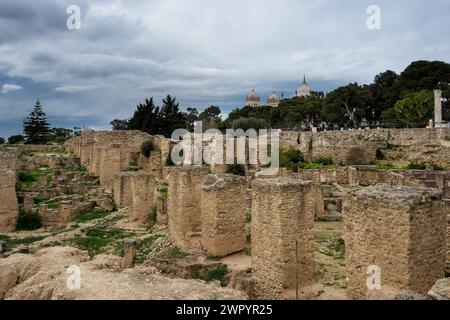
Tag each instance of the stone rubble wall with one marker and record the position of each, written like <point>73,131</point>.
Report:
<point>107,153</point>
<point>282,214</point>
<point>427,145</point>
<point>135,190</point>
<point>9,206</point>
<point>184,205</point>
<point>223,203</point>
<point>400,230</point>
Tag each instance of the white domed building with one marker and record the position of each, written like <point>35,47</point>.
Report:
<point>253,100</point>
<point>304,90</point>
<point>274,100</point>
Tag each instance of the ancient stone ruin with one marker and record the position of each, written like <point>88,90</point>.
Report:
<point>370,223</point>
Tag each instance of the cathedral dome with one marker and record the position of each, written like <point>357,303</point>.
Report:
<point>274,100</point>
<point>304,90</point>
<point>253,100</point>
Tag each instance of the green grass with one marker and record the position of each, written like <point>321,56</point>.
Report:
<point>218,273</point>
<point>91,215</point>
<point>176,253</point>
<point>49,154</point>
<point>77,169</point>
<point>39,199</point>
<point>96,239</point>
<point>33,175</point>
<point>28,221</point>
<point>164,190</point>
<point>13,242</point>
<point>144,248</point>
<point>330,245</point>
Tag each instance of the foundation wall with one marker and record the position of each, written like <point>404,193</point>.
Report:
<point>9,206</point>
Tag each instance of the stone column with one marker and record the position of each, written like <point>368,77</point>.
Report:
<point>282,219</point>
<point>110,163</point>
<point>401,232</point>
<point>9,205</point>
<point>142,190</point>
<point>184,205</point>
<point>223,202</point>
<point>437,108</point>
<point>122,189</point>
<point>129,250</point>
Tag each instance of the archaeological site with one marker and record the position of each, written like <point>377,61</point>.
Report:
<point>100,218</point>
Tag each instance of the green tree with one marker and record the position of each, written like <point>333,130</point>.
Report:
<point>118,124</point>
<point>36,127</point>
<point>191,115</point>
<point>2,140</point>
<point>171,118</point>
<point>415,109</point>
<point>210,117</point>
<point>16,139</point>
<point>346,105</point>
<point>146,118</point>
<point>60,135</point>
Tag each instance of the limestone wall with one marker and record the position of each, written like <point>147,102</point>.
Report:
<point>425,145</point>
<point>400,230</point>
<point>135,190</point>
<point>106,153</point>
<point>223,203</point>
<point>142,190</point>
<point>9,207</point>
<point>184,205</point>
<point>282,214</point>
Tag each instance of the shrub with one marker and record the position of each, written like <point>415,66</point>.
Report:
<point>415,166</point>
<point>380,155</point>
<point>291,159</point>
<point>236,169</point>
<point>28,221</point>
<point>148,147</point>
<point>326,161</point>
<point>249,123</point>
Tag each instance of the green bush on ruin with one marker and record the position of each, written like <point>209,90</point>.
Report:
<point>236,169</point>
<point>28,221</point>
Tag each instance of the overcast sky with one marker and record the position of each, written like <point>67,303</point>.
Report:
<point>204,52</point>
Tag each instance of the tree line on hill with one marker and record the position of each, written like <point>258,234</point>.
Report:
<point>391,100</point>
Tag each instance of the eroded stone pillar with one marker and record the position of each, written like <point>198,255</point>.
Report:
<point>142,190</point>
<point>110,163</point>
<point>282,216</point>
<point>223,202</point>
<point>9,205</point>
<point>399,231</point>
<point>437,108</point>
<point>122,190</point>
<point>184,205</point>
<point>129,250</point>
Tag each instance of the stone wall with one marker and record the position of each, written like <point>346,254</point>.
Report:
<point>282,214</point>
<point>136,191</point>
<point>401,231</point>
<point>223,202</point>
<point>9,207</point>
<point>106,153</point>
<point>184,205</point>
<point>424,145</point>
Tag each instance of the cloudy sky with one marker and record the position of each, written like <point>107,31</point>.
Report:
<point>205,52</point>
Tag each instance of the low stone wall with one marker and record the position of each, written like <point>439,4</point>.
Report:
<point>401,231</point>
<point>424,145</point>
<point>67,211</point>
<point>27,163</point>
<point>282,215</point>
<point>19,148</point>
<point>223,202</point>
<point>184,205</point>
<point>9,206</point>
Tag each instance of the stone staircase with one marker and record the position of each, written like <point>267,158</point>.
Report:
<point>332,203</point>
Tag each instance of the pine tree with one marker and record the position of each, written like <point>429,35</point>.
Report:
<point>35,126</point>
<point>171,116</point>
<point>145,118</point>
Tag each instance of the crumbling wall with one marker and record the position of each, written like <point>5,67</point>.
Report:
<point>184,205</point>
<point>135,190</point>
<point>223,202</point>
<point>282,215</point>
<point>9,206</point>
<point>401,231</point>
<point>423,145</point>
